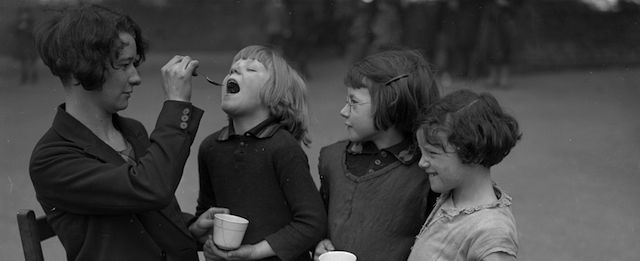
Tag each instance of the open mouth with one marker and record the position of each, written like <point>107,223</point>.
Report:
<point>232,86</point>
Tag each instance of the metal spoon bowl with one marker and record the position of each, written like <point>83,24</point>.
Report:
<point>213,82</point>
<point>195,73</point>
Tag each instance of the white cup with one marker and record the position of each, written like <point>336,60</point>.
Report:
<point>337,256</point>
<point>228,231</point>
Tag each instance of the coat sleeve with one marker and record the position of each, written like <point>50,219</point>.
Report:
<point>73,178</point>
<point>309,222</point>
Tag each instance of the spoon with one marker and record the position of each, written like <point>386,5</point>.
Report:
<point>195,73</point>
<point>213,82</point>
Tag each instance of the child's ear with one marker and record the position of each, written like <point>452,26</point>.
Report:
<point>74,81</point>
<point>71,81</point>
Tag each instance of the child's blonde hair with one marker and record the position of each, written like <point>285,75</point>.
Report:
<point>285,93</point>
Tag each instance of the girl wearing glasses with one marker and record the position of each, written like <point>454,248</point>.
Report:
<point>376,195</point>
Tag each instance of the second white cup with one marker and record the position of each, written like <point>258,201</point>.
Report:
<point>337,256</point>
<point>228,231</point>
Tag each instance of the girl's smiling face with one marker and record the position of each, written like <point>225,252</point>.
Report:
<point>243,84</point>
<point>445,169</point>
<point>358,115</point>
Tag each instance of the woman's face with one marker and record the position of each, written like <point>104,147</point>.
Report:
<point>358,115</point>
<point>241,93</point>
<point>119,81</point>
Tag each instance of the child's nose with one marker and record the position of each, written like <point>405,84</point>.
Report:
<point>424,163</point>
<point>344,112</point>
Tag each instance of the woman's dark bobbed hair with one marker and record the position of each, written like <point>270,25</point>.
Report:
<point>82,41</point>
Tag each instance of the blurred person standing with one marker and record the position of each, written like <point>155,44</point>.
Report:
<point>498,38</point>
<point>386,26</point>
<point>303,22</point>
<point>422,25</point>
<point>460,40</point>
<point>24,49</point>
<point>377,27</point>
<point>106,186</point>
<point>342,18</point>
<point>277,26</point>
<point>360,34</point>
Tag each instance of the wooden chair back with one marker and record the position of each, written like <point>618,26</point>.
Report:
<point>33,230</point>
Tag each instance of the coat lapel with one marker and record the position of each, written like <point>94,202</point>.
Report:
<point>140,142</point>
<point>73,130</point>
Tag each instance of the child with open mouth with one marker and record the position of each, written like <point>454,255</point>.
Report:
<point>256,166</point>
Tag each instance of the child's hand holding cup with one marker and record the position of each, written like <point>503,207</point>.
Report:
<point>228,231</point>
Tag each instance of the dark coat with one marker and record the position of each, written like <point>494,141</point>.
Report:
<point>102,208</point>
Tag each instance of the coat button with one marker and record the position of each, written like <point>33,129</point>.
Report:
<point>186,111</point>
<point>183,125</point>
<point>377,162</point>
<point>184,117</point>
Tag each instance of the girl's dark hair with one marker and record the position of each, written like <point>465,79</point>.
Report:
<point>475,125</point>
<point>81,42</point>
<point>400,83</point>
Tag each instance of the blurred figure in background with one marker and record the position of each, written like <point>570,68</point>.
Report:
<point>360,34</point>
<point>277,27</point>
<point>422,24</point>
<point>377,26</point>
<point>24,49</point>
<point>459,39</point>
<point>303,21</point>
<point>443,48</point>
<point>497,39</point>
<point>342,18</point>
<point>386,26</point>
